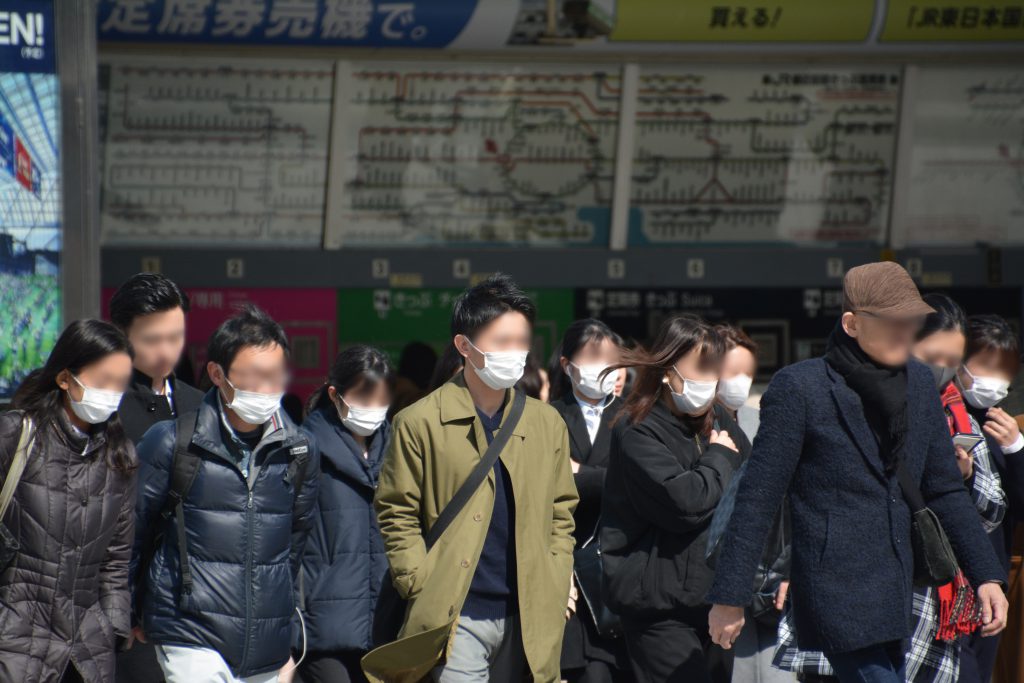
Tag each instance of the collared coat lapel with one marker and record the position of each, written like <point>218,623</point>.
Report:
<point>851,414</point>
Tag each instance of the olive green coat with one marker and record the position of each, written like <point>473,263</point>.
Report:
<point>435,444</point>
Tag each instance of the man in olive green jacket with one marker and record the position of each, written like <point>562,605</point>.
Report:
<point>488,602</point>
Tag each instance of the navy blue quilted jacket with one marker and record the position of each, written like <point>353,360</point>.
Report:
<point>851,578</point>
<point>245,539</point>
<point>344,561</point>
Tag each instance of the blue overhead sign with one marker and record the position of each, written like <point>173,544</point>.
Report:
<point>26,37</point>
<point>366,23</point>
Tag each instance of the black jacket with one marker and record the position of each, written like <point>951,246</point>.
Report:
<point>245,541</point>
<point>661,490</point>
<point>852,563</point>
<point>582,643</point>
<point>141,408</point>
<point>65,595</point>
<point>593,460</point>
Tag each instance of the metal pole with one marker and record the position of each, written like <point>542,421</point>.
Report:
<point>79,149</point>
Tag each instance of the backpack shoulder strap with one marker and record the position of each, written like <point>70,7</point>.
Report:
<point>479,473</point>
<point>184,469</point>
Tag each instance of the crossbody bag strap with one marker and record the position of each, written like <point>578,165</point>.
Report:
<point>184,469</point>
<point>479,473</point>
<point>911,491</point>
<point>26,441</point>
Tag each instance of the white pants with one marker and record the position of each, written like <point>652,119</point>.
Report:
<point>182,664</point>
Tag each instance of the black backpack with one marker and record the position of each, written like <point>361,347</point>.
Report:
<point>184,469</point>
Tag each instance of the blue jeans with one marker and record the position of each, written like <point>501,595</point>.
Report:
<point>882,663</point>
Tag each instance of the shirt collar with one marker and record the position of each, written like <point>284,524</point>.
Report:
<point>599,408</point>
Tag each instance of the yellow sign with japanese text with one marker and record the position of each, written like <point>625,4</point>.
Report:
<point>753,21</point>
<point>907,20</point>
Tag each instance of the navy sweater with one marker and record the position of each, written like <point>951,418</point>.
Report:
<point>493,589</point>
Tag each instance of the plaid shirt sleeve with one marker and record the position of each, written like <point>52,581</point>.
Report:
<point>986,489</point>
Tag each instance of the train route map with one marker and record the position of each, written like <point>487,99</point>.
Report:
<point>203,152</point>
<point>966,162</point>
<point>473,154</point>
<point>757,154</point>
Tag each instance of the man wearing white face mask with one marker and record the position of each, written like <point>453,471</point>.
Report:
<point>226,499</point>
<point>486,600</point>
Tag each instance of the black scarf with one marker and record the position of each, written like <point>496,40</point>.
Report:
<point>882,390</point>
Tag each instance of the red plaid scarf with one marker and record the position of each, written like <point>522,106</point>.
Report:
<point>959,612</point>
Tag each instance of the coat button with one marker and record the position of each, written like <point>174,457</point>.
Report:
<point>465,564</point>
<point>85,500</point>
<point>151,407</point>
<point>478,517</point>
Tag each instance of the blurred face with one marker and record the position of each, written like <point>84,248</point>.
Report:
<point>688,367</point>
<point>510,331</point>
<point>595,352</point>
<point>620,381</point>
<point>990,363</point>
<point>362,395</point>
<point>886,341</point>
<point>158,340</point>
<point>113,372</point>
<point>739,361</point>
<point>262,369</point>
<point>943,349</point>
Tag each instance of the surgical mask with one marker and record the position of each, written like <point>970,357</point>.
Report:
<point>253,407</point>
<point>362,421</point>
<point>502,369</point>
<point>590,382</point>
<point>696,395</point>
<point>985,392</point>
<point>733,392</point>
<point>942,376</point>
<point>97,405</point>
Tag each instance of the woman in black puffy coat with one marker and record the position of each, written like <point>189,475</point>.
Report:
<point>64,596</point>
<point>344,559</point>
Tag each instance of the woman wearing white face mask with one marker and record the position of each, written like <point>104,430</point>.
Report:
<point>738,370</point>
<point>68,530</point>
<point>344,557</point>
<point>674,452</point>
<point>585,398</point>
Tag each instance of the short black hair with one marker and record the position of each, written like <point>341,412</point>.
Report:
<point>143,294</point>
<point>479,305</point>
<point>948,316</point>
<point>992,333</point>
<point>251,326</point>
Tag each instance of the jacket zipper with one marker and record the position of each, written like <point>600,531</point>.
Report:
<point>249,483</point>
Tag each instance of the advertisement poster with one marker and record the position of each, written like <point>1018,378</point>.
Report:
<point>30,202</point>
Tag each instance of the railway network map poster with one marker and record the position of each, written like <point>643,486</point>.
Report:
<point>472,154</point>
<point>200,151</point>
<point>758,154</point>
<point>30,203</point>
<point>965,181</point>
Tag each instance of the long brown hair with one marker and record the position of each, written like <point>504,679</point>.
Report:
<point>676,338</point>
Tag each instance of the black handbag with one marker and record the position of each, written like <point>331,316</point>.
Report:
<point>389,613</point>
<point>9,545</point>
<point>588,568</point>
<point>935,563</point>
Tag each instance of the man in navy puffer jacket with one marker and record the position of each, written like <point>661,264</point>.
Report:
<point>245,527</point>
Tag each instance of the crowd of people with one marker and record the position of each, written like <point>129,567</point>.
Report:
<point>621,513</point>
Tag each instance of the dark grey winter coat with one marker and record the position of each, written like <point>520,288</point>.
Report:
<point>65,596</point>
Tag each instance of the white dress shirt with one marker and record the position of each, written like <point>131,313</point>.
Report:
<point>592,414</point>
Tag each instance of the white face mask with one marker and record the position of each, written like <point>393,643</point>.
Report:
<point>362,421</point>
<point>696,395</point>
<point>97,405</point>
<point>502,369</point>
<point>733,392</point>
<point>985,392</point>
<point>590,382</point>
<point>253,407</point>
